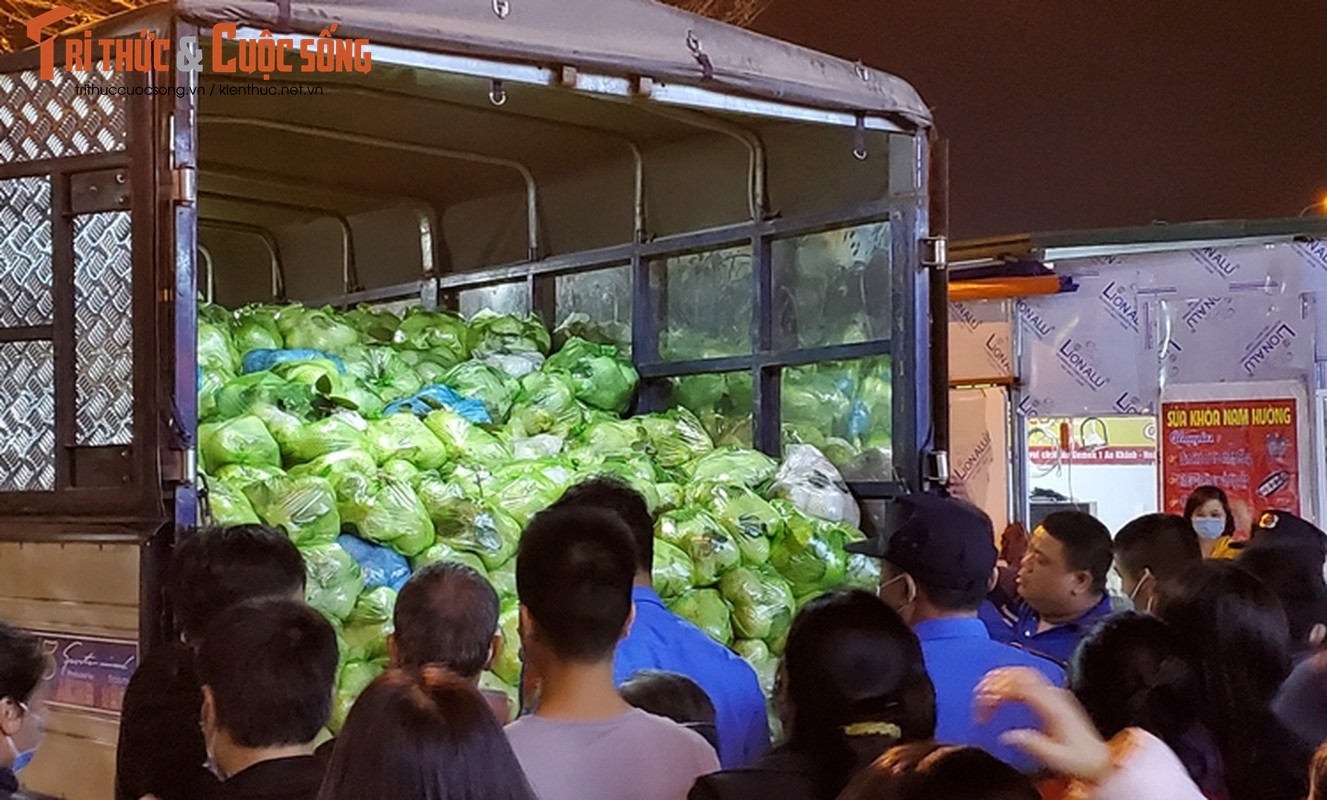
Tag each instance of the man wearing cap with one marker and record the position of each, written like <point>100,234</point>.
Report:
<point>937,568</point>
<point>1288,554</point>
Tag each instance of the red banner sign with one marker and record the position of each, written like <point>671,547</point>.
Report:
<point>1249,448</point>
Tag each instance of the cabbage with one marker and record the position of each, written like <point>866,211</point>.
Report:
<point>438,332</point>
<point>321,375</point>
<point>321,329</point>
<point>506,333</point>
<point>216,351</point>
<point>464,440</point>
<point>468,525</point>
<point>579,325</point>
<point>546,403</point>
<point>383,372</point>
<point>504,579</point>
<point>404,436</point>
<point>873,413</point>
<point>304,507</point>
<point>330,435</point>
<point>614,438</point>
<point>214,314</point>
<point>209,385</point>
<point>729,465</point>
<point>386,511</point>
<point>229,505</point>
<point>762,602</point>
<point>243,440</point>
<point>514,365</point>
<point>355,395</point>
<point>676,437</point>
<point>334,579</point>
<point>671,497</point>
<point>507,666</point>
<point>524,489</point>
<point>430,365</point>
<point>810,552</point>
<point>255,328</point>
<point>707,610</point>
<point>603,379</point>
<point>673,571</point>
<point>442,551</point>
<point>239,396</point>
<point>752,521</point>
<point>353,679</point>
<point>713,552</point>
<point>765,663</point>
<point>241,476</point>
<point>478,380</point>
<point>374,324</point>
<point>862,572</point>
<point>369,625</point>
<point>334,466</point>
<point>636,472</point>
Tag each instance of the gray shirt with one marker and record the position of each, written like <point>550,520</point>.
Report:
<point>636,756</point>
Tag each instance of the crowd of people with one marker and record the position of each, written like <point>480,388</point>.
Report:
<point>969,675</point>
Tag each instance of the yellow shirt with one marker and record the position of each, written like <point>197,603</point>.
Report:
<point>1224,549</point>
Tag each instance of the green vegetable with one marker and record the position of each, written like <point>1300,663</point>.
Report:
<point>524,489</point>
<point>752,521</point>
<point>243,440</point>
<point>255,328</point>
<point>369,625</point>
<point>353,679</point>
<point>809,553</point>
<point>241,476</point>
<point>334,579</point>
<point>242,395</point>
<point>504,579</point>
<point>335,465</point>
<point>507,666</point>
<point>504,333</point>
<point>546,403</point>
<point>330,435</point>
<point>384,372</point>
<point>468,525</point>
<point>438,332</point>
<point>386,511</point>
<point>375,325</point>
<point>318,374</point>
<point>602,377</point>
<point>713,552</point>
<point>304,507</point>
<point>614,439</point>
<point>478,380</point>
<point>765,663</point>
<point>404,436</point>
<point>321,329</point>
<point>443,551</point>
<point>673,571</point>
<point>402,471</point>
<point>729,465</point>
<point>464,440</point>
<point>229,505</point>
<point>762,602</point>
<point>706,609</point>
<point>676,437</point>
<point>216,351</point>
<point>430,365</point>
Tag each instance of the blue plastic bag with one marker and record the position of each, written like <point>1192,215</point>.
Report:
<point>381,566</point>
<point>260,360</point>
<point>432,398</point>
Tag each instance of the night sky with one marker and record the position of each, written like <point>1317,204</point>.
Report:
<point>1091,114</point>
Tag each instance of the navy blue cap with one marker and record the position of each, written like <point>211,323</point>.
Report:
<point>1284,529</point>
<point>943,543</point>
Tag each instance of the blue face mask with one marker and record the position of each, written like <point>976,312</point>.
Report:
<point>1209,527</point>
<point>22,760</point>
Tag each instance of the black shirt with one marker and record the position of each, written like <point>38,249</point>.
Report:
<point>297,778</point>
<point>161,749</point>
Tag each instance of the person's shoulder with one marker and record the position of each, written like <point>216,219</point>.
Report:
<point>777,774</point>
<point>1017,657</point>
<point>667,732</point>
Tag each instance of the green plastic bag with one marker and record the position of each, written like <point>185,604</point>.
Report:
<point>243,440</point>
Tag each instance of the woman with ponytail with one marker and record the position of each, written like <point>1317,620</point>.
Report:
<point>852,685</point>
<point>1129,674</point>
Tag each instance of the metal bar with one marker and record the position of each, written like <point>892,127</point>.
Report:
<point>349,274</point>
<point>678,369</point>
<point>757,168</point>
<point>775,360</point>
<point>428,216</point>
<point>766,417</point>
<point>531,189</point>
<point>638,158</point>
<point>400,291</point>
<point>88,163</point>
<point>209,274</point>
<point>938,224</point>
<point>878,490</point>
<point>64,342</point>
<point>32,333</point>
<point>273,248</point>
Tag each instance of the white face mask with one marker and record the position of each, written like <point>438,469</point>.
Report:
<point>1147,574</point>
<point>1209,527</point>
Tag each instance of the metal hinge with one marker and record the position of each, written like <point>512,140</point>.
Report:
<point>184,185</point>
<point>935,252</point>
<point>179,467</point>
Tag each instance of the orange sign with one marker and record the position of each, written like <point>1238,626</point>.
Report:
<point>264,55</point>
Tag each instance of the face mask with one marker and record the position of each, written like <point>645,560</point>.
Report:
<point>1146,574</point>
<point>21,757</point>
<point>1209,527</point>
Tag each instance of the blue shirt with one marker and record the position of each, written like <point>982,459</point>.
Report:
<point>1017,625</point>
<point>659,639</point>
<point>959,652</point>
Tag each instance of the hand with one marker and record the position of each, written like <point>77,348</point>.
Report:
<point>1070,744</point>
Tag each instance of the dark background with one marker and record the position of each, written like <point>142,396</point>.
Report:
<point>1092,113</point>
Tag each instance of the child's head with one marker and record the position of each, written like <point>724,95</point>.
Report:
<point>674,696</point>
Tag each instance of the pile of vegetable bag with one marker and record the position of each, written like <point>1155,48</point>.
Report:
<point>492,424</point>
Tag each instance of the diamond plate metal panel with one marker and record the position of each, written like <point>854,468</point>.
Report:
<point>25,252</point>
<point>27,416</point>
<point>104,329</point>
<point>66,116</point>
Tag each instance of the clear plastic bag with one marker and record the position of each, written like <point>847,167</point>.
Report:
<point>809,481</point>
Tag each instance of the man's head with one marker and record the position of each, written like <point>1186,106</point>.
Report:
<point>23,666</point>
<point>940,561</point>
<point>446,614</point>
<point>267,668</point>
<point>1064,571</point>
<point>613,495</point>
<point>1152,550</point>
<point>216,568</point>
<point>574,573</point>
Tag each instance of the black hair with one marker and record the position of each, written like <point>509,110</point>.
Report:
<point>447,614</point>
<point>1163,544</point>
<point>673,696</point>
<point>1293,571</point>
<point>851,671</point>
<point>423,735</point>
<point>574,572</point>
<point>271,665</point>
<point>1087,545</point>
<point>23,663</point>
<point>213,569</point>
<point>930,771</point>
<point>615,495</point>
<point>1231,627</point>
<point>1204,494</point>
